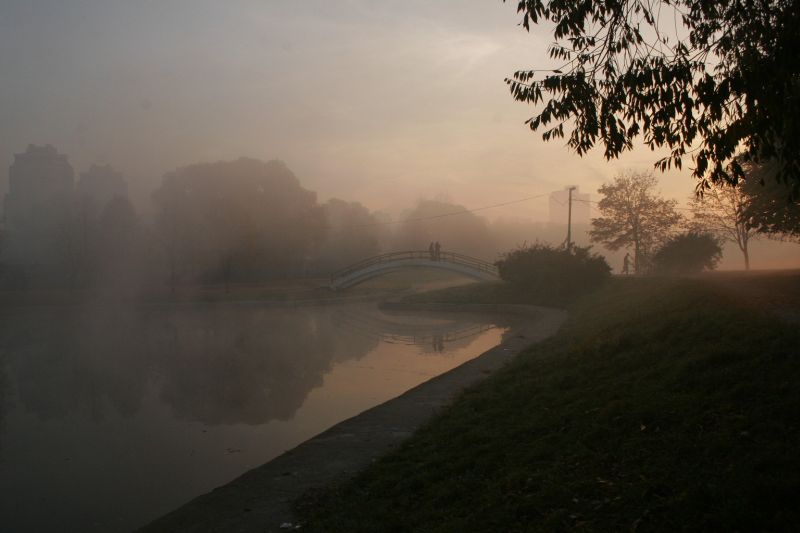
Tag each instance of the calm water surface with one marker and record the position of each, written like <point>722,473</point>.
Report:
<point>111,417</point>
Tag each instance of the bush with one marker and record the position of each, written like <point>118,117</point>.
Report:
<point>688,253</point>
<point>555,275</point>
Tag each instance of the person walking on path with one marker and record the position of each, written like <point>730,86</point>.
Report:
<point>626,263</point>
<point>438,250</point>
<point>432,252</point>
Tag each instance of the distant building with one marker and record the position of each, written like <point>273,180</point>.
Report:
<point>37,205</point>
<point>559,204</point>
<point>99,185</point>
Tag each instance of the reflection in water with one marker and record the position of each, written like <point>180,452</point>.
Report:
<point>142,409</point>
<point>218,365</point>
<point>234,365</point>
<point>84,363</point>
<point>433,333</point>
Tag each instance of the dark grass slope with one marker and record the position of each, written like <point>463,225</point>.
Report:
<point>660,406</point>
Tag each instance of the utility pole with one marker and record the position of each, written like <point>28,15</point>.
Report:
<point>569,219</point>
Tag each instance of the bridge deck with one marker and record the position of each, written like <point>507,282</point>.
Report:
<point>384,263</point>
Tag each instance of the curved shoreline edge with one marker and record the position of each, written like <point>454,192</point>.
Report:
<point>260,499</point>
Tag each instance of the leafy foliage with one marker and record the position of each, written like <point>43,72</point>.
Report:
<point>772,207</point>
<point>688,253</point>
<point>352,235</point>
<point>243,219</point>
<point>687,75</point>
<point>632,214</point>
<point>429,221</point>
<point>556,275</point>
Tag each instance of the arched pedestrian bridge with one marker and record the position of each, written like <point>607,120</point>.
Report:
<point>389,262</point>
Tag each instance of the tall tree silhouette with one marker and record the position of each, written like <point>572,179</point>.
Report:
<point>722,212</point>
<point>246,219</point>
<point>633,215</point>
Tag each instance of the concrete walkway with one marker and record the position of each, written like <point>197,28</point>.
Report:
<point>260,500</point>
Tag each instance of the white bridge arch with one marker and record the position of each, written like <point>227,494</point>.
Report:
<point>389,262</point>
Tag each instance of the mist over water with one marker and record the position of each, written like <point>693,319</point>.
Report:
<point>111,416</point>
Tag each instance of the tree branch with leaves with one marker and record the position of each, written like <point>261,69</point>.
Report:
<point>771,207</point>
<point>705,80</point>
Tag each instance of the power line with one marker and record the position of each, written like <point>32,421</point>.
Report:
<point>465,211</point>
<point>596,202</point>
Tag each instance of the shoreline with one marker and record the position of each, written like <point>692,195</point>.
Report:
<point>261,498</point>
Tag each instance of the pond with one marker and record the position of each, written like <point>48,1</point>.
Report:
<point>111,417</point>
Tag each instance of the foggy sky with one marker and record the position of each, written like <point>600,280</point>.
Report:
<point>379,102</point>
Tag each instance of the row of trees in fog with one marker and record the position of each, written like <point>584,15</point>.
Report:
<point>634,216</point>
<point>248,220</point>
<point>236,221</point>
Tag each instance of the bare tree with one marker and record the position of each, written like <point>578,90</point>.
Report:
<point>634,215</point>
<point>722,211</point>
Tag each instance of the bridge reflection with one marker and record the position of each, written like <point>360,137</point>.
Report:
<point>432,332</point>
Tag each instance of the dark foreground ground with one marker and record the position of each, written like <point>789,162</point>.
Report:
<point>661,405</point>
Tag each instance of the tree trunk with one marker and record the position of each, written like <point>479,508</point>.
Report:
<point>746,257</point>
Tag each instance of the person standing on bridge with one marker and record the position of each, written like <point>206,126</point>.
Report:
<point>432,252</point>
<point>438,250</point>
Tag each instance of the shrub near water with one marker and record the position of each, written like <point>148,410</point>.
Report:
<point>688,253</point>
<point>557,275</point>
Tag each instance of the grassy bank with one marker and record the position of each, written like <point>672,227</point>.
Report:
<point>661,406</point>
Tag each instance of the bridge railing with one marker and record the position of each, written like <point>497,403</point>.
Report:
<point>450,257</point>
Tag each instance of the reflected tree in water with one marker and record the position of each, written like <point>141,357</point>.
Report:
<point>216,365</point>
<point>88,362</point>
<point>229,365</point>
